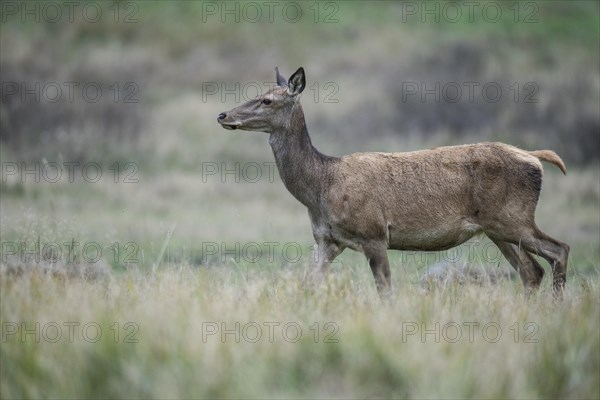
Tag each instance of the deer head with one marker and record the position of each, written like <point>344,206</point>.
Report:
<point>269,112</point>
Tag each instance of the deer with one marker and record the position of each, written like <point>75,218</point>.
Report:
<point>425,200</point>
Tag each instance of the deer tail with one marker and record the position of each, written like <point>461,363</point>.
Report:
<point>551,157</point>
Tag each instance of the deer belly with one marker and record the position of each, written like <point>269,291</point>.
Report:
<point>431,238</point>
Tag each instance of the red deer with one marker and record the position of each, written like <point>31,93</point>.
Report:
<point>426,200</point>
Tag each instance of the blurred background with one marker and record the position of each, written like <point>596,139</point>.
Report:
<point>134,88</point>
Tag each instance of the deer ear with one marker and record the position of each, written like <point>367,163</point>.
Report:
<point>281,81</point>
<point>297,82</point>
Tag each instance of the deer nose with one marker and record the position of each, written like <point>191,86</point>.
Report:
<point>221,116</point>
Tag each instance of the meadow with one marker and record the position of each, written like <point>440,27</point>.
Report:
<point>148,253</point>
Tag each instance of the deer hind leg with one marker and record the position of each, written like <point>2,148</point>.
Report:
<point>554,251</point>
<point>537,242</point>
<point>380,267</point>
<point>530,271</point>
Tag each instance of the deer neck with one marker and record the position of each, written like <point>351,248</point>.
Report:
<point>303,169</point>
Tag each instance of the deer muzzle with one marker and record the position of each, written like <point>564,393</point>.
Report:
<point>226,123</point>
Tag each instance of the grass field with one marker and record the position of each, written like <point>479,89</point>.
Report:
<point>167,321</point>
<point>171,262</point>
<point>235,332</point>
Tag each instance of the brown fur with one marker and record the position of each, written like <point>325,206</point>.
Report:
<point>551,157</point>
<point>421,200</point>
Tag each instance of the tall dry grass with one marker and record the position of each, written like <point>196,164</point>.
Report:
<point>188,332</point>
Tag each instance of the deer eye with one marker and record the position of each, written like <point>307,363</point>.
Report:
<point>266,102</point>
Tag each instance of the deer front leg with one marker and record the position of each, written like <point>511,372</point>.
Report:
<point>324,252</point>
<point>380,267</point>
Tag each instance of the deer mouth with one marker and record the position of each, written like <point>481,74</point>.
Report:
<point>230,127</point>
